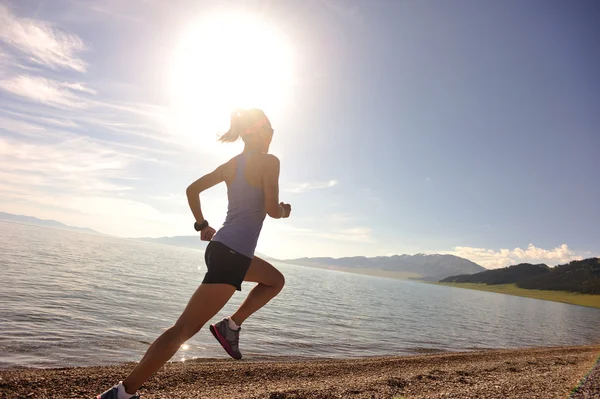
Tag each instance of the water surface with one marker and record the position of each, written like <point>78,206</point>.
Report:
<point>72,299</point>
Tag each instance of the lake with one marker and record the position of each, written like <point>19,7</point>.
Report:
<point>75,299</point>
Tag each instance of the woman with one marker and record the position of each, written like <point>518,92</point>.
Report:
<point>252,180</point>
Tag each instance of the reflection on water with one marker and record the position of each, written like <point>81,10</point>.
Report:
<point>74,299</point>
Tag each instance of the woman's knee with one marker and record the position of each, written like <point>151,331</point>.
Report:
<point>279,281</point>
<point>264,273</point>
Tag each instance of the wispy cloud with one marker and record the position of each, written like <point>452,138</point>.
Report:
<point>43,129</point>
<point>42,42</point>
<point>39,119</point>
<point>78,161</point>
<point>79,87</point>
<point>47,91</point>
<point>353,234</point>
<point>348,234</point>
<point>80,181</point>
<point>20,127</point>
<point>129,120</point>
<point>85,153</point>
<point>105,214</point>
<point>505,257</point>
<point>303,187</point>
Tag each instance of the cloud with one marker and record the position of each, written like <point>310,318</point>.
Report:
<point>495,259</point>
<point>140,120</point>
<point>353,234</point>
<point>20,127</point>
<point>304,187</point>
<point>349,234</point>
<point>47,91</point>
<point>83,181</point>
<point>50,130</point>
<point>85,156</point>
<point>73,164</point>
<point>109,215</point>
<point>63,123</point>
<point>79,87</point>
<point>42,42</point>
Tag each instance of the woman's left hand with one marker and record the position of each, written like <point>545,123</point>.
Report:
<point>207,233</point>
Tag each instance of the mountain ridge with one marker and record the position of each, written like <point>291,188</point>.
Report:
<point>32,220</point>
<point>581,276</point>
<point>430,267</point>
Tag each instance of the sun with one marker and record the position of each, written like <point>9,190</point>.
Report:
<point>226,61</point>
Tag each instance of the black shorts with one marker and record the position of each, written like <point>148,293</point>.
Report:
<point>225,266</point>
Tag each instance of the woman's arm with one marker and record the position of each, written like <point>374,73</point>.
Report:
<point>203,183</point>
<point>274,209</point>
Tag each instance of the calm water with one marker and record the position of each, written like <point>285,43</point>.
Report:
<point>69,299</point>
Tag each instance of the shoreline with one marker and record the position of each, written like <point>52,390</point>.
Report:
<point>545,373</point>
<point>571,298</point>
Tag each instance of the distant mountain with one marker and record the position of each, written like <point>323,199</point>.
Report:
<point>581,276</point>
<point>187,242</point>
<point>43,222</point>
<point>420,266</point>
<point>505,275</point>
<point>428,267</point>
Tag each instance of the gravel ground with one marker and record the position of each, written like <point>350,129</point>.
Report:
<point>542,373</point>
<point>590,386</point>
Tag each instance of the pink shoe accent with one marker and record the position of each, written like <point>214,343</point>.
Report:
<point>223,341</point>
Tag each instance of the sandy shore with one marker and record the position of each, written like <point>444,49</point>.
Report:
<point>543,373</point>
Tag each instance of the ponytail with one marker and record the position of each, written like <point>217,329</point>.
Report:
<point>242,122</point>
<point>235,128</point>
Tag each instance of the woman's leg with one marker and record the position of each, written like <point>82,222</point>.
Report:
<point>270,283</point>
<point>204,304</point>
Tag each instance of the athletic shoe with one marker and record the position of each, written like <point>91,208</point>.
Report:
<point>113,393</point>
<point>228,338</point>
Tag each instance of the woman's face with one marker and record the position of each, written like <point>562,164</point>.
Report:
<point>266,136</point>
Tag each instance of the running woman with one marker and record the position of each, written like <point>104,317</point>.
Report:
<point>252,180</point>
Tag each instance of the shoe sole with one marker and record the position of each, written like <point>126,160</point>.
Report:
<point>223,341</point>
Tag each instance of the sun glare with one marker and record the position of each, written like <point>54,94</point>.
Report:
<point>227,61</point>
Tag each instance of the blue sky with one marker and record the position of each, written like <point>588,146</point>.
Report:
<point>456,127</point>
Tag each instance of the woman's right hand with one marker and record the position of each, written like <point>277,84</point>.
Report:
<point>287,209</point>
<point>207,233</point>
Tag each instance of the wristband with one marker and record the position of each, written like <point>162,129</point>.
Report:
<point>200,226</point>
